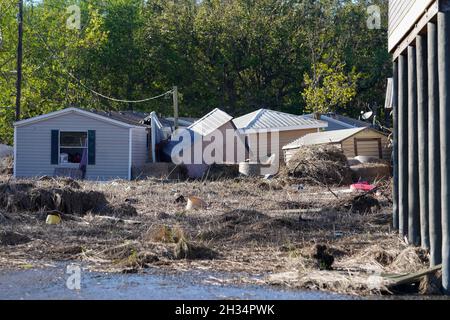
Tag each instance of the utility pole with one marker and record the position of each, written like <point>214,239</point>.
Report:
<point>175,106</point>
<point>19,60</point>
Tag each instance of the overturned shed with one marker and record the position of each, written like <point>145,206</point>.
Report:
<point>213,139</point>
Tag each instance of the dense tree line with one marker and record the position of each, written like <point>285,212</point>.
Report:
<point>238,55</point>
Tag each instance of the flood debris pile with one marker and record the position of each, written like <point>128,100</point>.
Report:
<point>221,171</point>
<point>249,226</point>
<point>10,238</point>
<point>243,226</point>
<point>321,165</point>
<point>6,165</point>
<point>363,203</point>
<point>371,171</point>
<point>66,197</point>
<point>370,270</point>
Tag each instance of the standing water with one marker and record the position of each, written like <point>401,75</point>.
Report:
<point>52,283</point>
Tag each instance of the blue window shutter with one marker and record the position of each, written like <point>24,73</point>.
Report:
<point>55,147</point>
<point>91,147</point>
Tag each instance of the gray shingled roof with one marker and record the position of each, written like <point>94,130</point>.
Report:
<point>142,118</point>
<point>271,119</point>
<point>130,117</point>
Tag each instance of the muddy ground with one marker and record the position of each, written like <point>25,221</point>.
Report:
<point>276,232</point>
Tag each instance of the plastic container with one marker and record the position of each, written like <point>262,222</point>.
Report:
<point>53,219</point>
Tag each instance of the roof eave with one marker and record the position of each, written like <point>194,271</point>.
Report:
<point>62,112</point>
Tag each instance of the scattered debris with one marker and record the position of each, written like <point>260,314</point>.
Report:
<point>425,281</point>
<point>194,203</point>
<point>364,203</point>
<point>20,197</point>
<point>179,198</point>
<point>362,186</point>
<point>53,219</point>
<point>131,201</point>
<point>193,251</point>
<point>245,231</point>
<point>165,234</point>
<point>113,219</point>
<point>324,258</point>
<point>6,165</point>
<point>221,171</point>
<point>269,185</point>
<point>370,171</point>
<point>10,238</point>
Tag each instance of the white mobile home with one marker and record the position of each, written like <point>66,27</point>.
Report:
<point>109,146</point>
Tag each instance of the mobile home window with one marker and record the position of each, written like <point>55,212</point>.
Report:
<point>72,146</point>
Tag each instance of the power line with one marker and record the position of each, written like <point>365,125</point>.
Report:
<point>92,90</point>
<point>114,99</point>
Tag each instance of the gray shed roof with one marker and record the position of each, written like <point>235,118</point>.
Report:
<point>339,122</point>
<point>323,137</point>
<point>271,119</point>
<point>210,122</point>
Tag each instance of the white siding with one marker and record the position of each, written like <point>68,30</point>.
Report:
<point>139,147</point>
<point>33,147</point>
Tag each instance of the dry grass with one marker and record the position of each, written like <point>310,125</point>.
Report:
<point>268,232</point>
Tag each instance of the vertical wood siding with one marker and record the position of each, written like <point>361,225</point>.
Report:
<point>367,145</point>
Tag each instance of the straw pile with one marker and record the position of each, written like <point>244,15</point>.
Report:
<point>322,165</point>
<point>21,197</point>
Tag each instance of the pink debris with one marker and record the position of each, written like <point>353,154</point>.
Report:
<point>362,186</point>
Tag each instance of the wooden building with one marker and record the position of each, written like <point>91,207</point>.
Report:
<point>419,41</point>
<point>353,142</point>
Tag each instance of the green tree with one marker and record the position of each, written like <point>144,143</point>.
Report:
<point>238,55</point>
<point>329,87</point>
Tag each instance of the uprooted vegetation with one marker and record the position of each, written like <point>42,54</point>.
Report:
<point>65,198</point>
<point>312,237</point>
<point>321,165</point>
<point>6,165</point>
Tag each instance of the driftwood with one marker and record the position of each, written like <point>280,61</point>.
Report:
<point>114,219</point>
<point>311,210</point>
